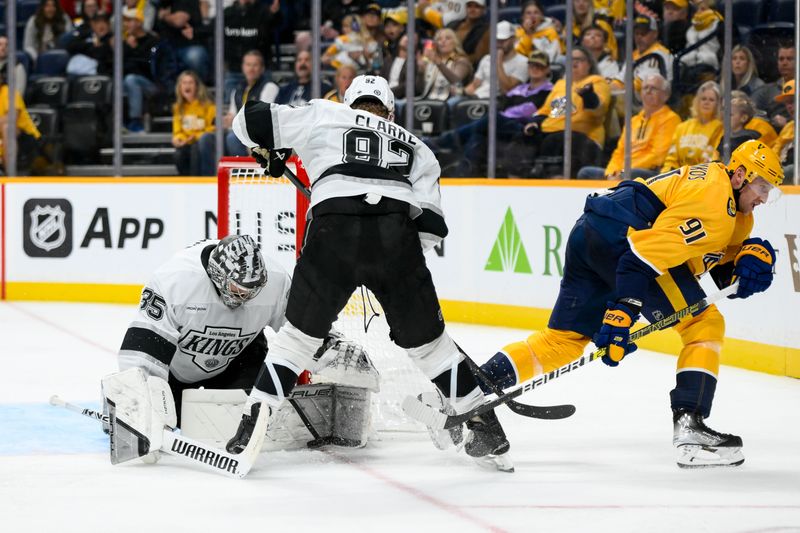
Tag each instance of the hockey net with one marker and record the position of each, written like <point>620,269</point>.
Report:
<point>273,211</point>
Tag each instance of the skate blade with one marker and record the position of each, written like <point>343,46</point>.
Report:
<point>501,463</point>
<point>696,456</point>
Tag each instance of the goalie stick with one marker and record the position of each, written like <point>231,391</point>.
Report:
<point>553,412</point>
<point>436,419</point>
<point>195,452</point>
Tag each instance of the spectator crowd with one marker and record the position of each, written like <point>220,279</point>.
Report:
<point>64,65</point>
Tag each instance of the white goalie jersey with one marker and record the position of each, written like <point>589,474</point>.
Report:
<point>183,327</point>
<point>371,155</point>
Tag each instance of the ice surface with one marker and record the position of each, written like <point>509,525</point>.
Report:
<point>610,467</point>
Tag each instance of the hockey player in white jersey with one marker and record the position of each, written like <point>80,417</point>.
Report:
<point>202,316</point>
<point>375,207</point>
<point>201,323</point>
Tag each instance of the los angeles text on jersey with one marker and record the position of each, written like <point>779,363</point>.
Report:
<point>388,128</point>
<point>214,347</point>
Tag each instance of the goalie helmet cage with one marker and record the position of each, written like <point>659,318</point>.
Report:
<point>273,211</point>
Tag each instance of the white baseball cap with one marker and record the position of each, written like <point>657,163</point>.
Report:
<point>370,87</point>
<point>505,30</point>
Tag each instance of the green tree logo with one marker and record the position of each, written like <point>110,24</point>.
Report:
<point>508,252</point>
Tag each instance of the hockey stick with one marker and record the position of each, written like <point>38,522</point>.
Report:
<point>55,400</point>
<point>291,176</point>
<point>551,412</point>
<point>235,465</point>
<point>435,419</point>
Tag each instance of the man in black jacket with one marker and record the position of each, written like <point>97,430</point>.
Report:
<point>94,46</point>
<point>137,53</point>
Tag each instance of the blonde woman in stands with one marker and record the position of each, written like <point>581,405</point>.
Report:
<point>745,72</point>
<point>44,28</point>
<point>444,67</point>
<point>537,32</point>
<point>695,140</point>
<point>193,127</point>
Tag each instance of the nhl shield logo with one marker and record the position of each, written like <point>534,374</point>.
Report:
<point>47,228</point>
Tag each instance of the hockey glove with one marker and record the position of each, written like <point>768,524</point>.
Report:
<point>273,161</point>
<point>615,332</point>
<point>590,99</point>
<point>753,267</point>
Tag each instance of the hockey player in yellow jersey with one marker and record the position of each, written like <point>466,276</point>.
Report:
<point>639,248</point>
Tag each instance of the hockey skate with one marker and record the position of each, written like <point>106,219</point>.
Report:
<point>244,432</point>
<point>700,446</point>
<point>442,438</point>
<point>486,442</point>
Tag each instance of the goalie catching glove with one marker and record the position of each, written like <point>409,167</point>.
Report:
<point>615,332</point>
<point>753,267</point>
<point>272,161</point>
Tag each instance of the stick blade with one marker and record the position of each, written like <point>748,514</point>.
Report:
<point>426,414</point>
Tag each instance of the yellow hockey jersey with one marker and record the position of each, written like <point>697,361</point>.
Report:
<point>768,135</point>
<point>693,142</point>
<point>587,121</point>
<point>784,141</point>
<point>699,225</point>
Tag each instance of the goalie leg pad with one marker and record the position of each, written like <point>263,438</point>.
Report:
<point>329,413</point>
<point>211,416</point>
<point>139,409</point>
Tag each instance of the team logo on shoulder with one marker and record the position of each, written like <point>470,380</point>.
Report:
<point>214,347</point>
<point>731,207</point>
<point>47,227</point>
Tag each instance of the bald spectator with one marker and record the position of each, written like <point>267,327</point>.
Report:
<point>254,87</point>
<point>651,129</point>
<point>298,91</point>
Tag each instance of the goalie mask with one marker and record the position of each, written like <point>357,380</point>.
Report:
<point>237,269</point>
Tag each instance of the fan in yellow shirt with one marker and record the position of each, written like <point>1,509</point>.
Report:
<point>544,135</point>
<point>695,140</point>
<point>652,130</point>
<point>24,123</point>
<point>537,32</point>
<point>784,145</point>
<point>193,127</point>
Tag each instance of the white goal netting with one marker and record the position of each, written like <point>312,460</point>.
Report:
<point>270,210</point>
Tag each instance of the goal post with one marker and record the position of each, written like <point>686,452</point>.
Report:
<point>273,212</point>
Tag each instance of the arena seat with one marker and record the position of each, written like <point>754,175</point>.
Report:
<point>51,63</point>
<point>430,117</point>
<point>467,111</point>
<point>50,91</point>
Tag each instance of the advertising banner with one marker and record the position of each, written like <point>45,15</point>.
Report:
<point>101,232</point>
